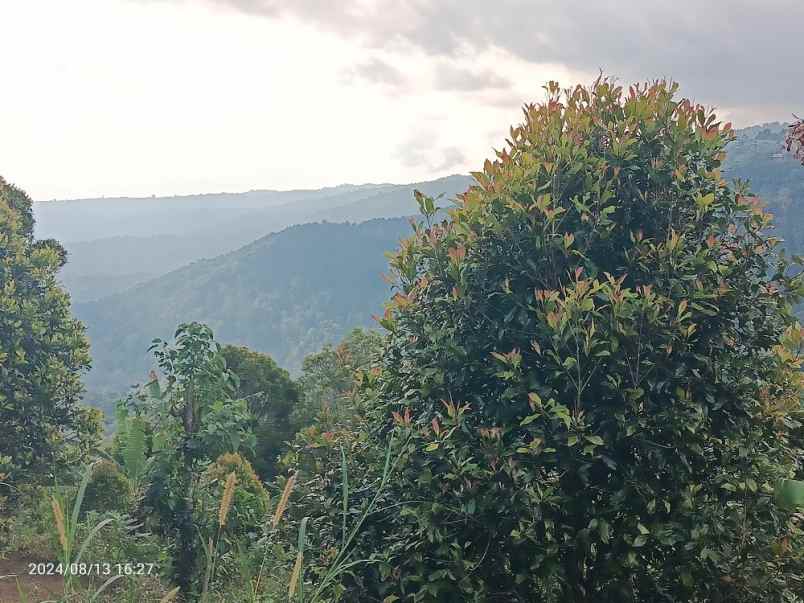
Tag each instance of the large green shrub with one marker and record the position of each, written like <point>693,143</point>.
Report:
<point>108,489</point>
<point>271,395</point>
<point>593,358</point>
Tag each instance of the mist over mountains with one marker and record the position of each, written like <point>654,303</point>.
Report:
<point>116,243</point>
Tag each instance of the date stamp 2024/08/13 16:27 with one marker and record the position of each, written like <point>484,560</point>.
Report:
<point>91,569</point>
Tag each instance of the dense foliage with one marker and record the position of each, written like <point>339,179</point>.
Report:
<point>43,351</point>
<point>327,381</point>
<point>592,359</point>
<point>193,418</point>
<point>272,397</point>
<point>108,489</point>
<point>285,295</point>
<point>249,503</point>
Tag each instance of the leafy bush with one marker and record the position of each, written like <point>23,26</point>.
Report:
<point>250,503</point>
<point>29,527</point>
<point>108,489</point>
<point>596,361</point>
<point>132,445</point>
<point>271,396</point>
<point>192,419</point>
<point>43,351</point>
<point>123,540</point>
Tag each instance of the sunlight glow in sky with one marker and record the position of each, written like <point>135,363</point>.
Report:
<point>125,97</point>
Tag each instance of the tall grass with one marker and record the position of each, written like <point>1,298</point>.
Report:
<point>297,576</point>
<point>256,583</point>
<point>341,564</point>
<point>65,515</point>
<point>343,561</point>
<point>297,591</point>
<point>21,593</point>
<point>211,547</point>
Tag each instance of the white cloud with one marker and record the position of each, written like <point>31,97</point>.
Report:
<point>107,97</point>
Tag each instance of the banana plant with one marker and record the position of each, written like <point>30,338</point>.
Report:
<point>133,446</point>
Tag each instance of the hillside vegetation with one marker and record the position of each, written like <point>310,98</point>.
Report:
<point>288,293</point>
<point>587,388</point>
<point>116,243</point>
<point>758,155</point>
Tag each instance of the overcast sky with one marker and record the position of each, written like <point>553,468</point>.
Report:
<point>141,97</point>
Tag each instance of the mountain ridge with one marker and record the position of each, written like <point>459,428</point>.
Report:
<point>285,294</point>
<point>111,248</point>
<point>291,291</point>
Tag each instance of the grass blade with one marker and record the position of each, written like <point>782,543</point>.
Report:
<point>208,571</point>
<point>298,569</point>
<point>339,562</point>
<point>104,586</point>
<point>23,597</point>
<point>79,499</point>
<point>171,596</point>
<point>345,495</point>
<point>98,527</point>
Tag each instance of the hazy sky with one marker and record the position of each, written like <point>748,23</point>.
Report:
<point>140,97</point>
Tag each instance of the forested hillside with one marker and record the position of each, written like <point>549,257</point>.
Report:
<point>102,267</point>
<point>758,155</point>
<point>288,293</point>
<point>116,243</point>
<point>285,294</point>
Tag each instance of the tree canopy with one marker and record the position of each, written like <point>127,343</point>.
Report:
<point>43,350</point>
<point>595,361</point>
<point>272,398</point>
<point>328,382</point>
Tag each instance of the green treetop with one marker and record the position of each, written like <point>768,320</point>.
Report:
<point>272,397</point>
<point>593,358</point>
<point>43,350</point>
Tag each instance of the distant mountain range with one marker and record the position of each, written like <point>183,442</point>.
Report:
<point>116,243</point>
<point>297,288</point>
<point>285,294</point>
<point>758,156</point>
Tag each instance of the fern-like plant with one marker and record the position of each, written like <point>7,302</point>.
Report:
<point>132,446</point>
